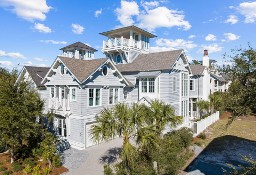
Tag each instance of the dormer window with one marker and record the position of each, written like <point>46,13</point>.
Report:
<point>62,69</point>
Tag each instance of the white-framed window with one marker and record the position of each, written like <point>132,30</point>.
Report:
<point>192,85</point>
<point>184,84</point>
<point>94,96</point>
<point>52,92</point>
<point>113,95</point>
<point>73,94</point>
<point>105,70</point>
<point>148,85</point>
<point>174,84</point>
<point>125,95</point>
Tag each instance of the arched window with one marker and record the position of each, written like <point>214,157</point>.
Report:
<point>105,70</point>
<point>118,59</point>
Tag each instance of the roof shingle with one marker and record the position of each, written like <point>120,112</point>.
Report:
<point>151,62</point>
<point>78,45</point>
<point>197,69</point>
<point>82,69</point>
<point>37,73</point>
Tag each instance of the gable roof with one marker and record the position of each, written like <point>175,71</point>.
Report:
<point>151,62</point>
<point>135,28</point>
<point>219,78</point>
<point>37,73</point>
<point>78,45</point>
<point>82,69</point>
<point>197,69</point>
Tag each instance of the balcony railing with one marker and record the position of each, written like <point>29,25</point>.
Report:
<point>72,55</point>
<point>59,104</point>
<point>123,43</point>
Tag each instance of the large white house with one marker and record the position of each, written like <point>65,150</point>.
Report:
<point>77,86</point>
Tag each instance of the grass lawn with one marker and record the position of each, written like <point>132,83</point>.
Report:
<point>243,127</point>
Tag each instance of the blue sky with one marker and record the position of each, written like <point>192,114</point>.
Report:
<point>33,31</point>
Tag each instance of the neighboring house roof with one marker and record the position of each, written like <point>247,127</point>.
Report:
<point>37,73</point>
<point>78,45</point>
<point>128,28</point>
<point>197,69</point>
<point>226,76</point>
<point>151,62</point>
<point>82,69</point>
<point>218,78</point>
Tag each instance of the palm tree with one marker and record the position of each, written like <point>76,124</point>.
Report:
<point>203,106</point>
<point>215,101</point>
<point>122,121</point>
<point>161,114</point>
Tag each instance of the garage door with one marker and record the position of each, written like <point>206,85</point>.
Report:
<point>88,138</point>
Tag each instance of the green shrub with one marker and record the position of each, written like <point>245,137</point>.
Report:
<point>47,170</point>
<point>3,168</point>
<point>198,143</point>
<point>36,170</point>
<point>202,136</point>
<point>108,170</point>
<point>56,161</point>
<point>1,163</point>
<point>16,167</point>
<point>7,172</point>
<point>28,169</point>
<point>29,161</point>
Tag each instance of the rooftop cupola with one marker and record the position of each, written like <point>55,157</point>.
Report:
<point>124,44</point>
<point>78,50</point>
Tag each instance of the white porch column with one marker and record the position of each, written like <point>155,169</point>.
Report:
<point>140,43</point>
<point>131,43</point>
<point>191,108</point>
<point>68,98</point>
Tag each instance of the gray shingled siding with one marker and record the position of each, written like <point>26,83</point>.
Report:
<point>76,106</point>
<point>108,80</point>
<point>59,79</point>
<point>44,94</point>
<point>198,83</point>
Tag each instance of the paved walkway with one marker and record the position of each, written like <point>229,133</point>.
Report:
<point>91,160</point>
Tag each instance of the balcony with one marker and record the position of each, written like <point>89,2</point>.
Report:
<point>124,44</point>
<point>59,104</point>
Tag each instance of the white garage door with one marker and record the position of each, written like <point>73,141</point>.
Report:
<point>88,138</point>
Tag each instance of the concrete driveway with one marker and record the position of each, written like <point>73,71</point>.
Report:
<point>91,160</point>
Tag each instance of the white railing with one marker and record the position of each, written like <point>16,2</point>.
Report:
<point>201,125</point>
<point>114,43</point>
<point>59,104</point>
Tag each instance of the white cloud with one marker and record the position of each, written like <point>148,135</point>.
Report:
<point>42,65</point>
<point>42,28</point>
<point>27,9</point>
<point>149,4</point>
<point>151,16</point>
<point>169,44</point>
<point>53,42</point>
<point>28,63</point>
<point>7,64</point>
<point>12,55</point>
<point>126,12</point>
<point>39,59</point>
<point>191,36</point>
<point>210,37</point>
<point>77,29</point>
<point>248,10</point>
<point>211,48</point>
<point>97,13</point>
<point>231,36</point>
<point>232,19</point>
<point>163,17</point>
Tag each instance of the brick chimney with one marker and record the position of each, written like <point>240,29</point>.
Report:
<point>206,60</point>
